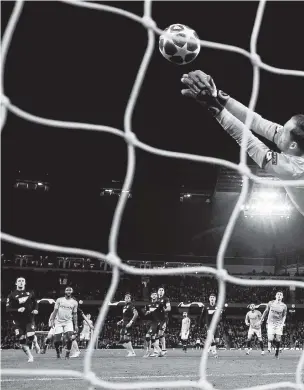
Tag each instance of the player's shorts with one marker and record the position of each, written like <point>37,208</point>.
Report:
<point>51,332</point>
<point>153,328</point>
<point>63,327</point>
<point>85,336</point>
<point>184,335</point>
<point>274,329</point>
<point>162,326</point>
<point>24,328</point>
<point>253,331</point>
<point>125,333</point>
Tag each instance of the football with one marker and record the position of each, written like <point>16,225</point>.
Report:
<point>180,45</point>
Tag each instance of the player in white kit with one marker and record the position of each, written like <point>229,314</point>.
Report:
<point>64,318</point>
<point>253,320</point>
<point>231,115</point>
<point>87,328</point>
<point>276,311</point>
<point>185,330</point>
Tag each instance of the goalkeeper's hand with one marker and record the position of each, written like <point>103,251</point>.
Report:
<point>202,88</point>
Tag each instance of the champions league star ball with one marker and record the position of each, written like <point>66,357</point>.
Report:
<point>174,47</point>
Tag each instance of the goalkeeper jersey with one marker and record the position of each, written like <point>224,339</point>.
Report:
<point>280,165</point>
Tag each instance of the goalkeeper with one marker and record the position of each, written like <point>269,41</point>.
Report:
<point>231,115</point>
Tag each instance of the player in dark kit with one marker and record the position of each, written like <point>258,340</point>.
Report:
<point>164,307</point>
<point>207,314</point>
<point>22,306</point>
<point>153,315</point>
<point>129,315</point>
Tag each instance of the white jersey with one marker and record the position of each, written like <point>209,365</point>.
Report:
<point>86,327</point>
<point>186,324</point>
<point>277,312</point>
<point>66,309</point>
<point>280,165</point>
<point>254,319</point>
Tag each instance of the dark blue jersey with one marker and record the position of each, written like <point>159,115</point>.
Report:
<point>18,299</point>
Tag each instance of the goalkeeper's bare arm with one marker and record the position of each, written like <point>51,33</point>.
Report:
<point>231,115</point>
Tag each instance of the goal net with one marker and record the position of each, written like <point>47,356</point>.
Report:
<point>132,142</point>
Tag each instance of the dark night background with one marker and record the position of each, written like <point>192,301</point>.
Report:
<point>76,64</point>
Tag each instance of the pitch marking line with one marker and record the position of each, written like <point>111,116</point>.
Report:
<point>151,377</point>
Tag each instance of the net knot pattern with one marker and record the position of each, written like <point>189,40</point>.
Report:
<point>112,258</point>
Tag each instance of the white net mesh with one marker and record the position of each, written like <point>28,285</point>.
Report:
<point>112,258</point>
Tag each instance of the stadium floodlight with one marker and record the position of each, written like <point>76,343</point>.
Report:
<point>260,208</point>
<point>268,195</point>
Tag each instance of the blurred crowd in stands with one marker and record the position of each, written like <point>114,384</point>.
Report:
<point>93,286</point>
<point>81,263</point>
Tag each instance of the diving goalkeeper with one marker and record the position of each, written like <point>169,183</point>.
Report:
<point>231,115</point>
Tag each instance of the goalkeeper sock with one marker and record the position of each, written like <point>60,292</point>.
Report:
<point>278,347</point>
<point>269,345</point>
<point>262,345</point>
<point>248,344</point>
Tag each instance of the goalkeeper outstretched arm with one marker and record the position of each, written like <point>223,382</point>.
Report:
<point>288,165</point>
<point>259,125</point>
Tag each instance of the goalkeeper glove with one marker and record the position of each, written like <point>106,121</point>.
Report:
<point>202,88</point>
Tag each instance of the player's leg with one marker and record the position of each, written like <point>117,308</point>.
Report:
<point>58,331</point>
<point>128,343</point>
<point>147,343</point>
<point>81,338</point>
<point>215,342</point>
<point>30,334</point>
<point>20,333</point>
<point>155,340</point>
<point>69,336</point>
<point>248,342</point>
<point>87,340</point>
<point>125,340</point>
<point>184,339</point>
<point>161,334</point>
<point>155,344</point>
<point>36,345</point>
<point>75,352</point>
<point>278,335</point>
<point>259,336</point>
<point>48,340</point>
<point>270,337</point>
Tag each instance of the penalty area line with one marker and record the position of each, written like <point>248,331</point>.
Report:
<point>150,377</point>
